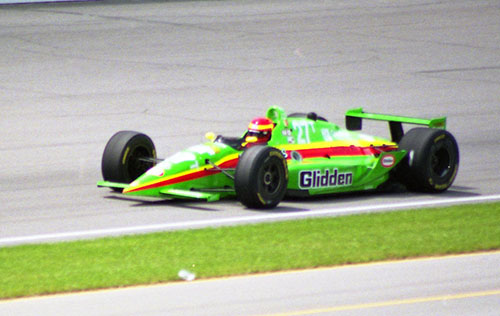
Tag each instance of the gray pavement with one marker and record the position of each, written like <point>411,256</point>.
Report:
<point>71,75</point>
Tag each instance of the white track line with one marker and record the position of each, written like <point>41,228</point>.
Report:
<point>242,219</point>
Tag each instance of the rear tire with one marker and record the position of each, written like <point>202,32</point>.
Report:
<point>261,177</point>
<point>431,163</point>
<point>127,155</point>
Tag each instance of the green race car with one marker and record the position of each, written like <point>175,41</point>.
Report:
<point>300,154</point>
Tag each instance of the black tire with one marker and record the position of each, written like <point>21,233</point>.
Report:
<point>261,177</point>
<point>431,164</point>
<point>127,155</point>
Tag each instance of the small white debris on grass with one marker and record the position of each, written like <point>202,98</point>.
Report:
<point>186,275</point>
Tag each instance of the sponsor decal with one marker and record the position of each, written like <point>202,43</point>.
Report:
<point>312,179</point>
<point>277,154</point>
<point>288,134</point>
<point>156,171</point>
<point>440,137</point>
<point>124,159</point>
<point>388,161</point>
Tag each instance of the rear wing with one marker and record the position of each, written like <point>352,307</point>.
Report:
<point>354,119</point>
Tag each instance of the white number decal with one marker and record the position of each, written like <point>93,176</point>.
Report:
<point>327,136</point>
<point>303,131</point>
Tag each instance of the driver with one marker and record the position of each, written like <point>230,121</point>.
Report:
<point>259,131</point>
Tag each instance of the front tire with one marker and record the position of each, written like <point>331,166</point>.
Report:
<point>261,177</point>
<point>127,155</point>
<point>432,160</point>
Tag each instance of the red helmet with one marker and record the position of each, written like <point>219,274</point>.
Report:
<point>259,130</point>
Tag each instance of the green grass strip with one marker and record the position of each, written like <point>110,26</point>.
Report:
<point>145,259</point>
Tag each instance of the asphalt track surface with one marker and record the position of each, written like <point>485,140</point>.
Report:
<point>71,75</point>
<point>454,286</point>
<point>74,74</point>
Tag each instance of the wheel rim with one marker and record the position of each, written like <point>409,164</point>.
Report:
<point>271,178</point>
<point>137,163</point>
<point>440,162</point>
